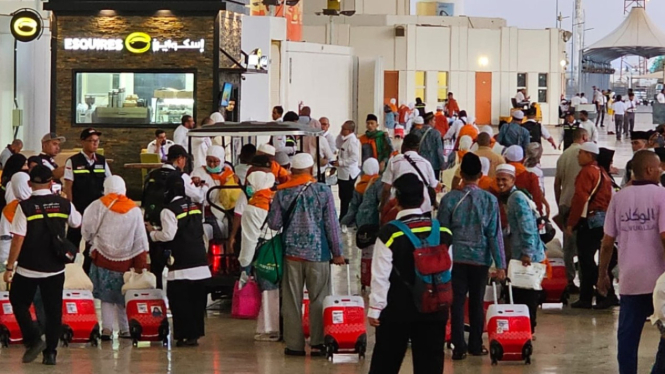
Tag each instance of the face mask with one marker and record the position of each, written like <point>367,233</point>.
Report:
<point>215,170</point>
<point>249,190</point>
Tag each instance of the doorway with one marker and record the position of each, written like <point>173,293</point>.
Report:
<point>483,98</point>
<point>390,85</point>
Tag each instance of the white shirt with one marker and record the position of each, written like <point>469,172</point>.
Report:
<point>180,137</point>
<point>631,106</point>
<point>20,227</point>
<point>241,171</point>
<point>331,141</point>
<point>166,234</point>
<point>197,194</point>
<point>199,149</point>
<point>241,204</point>
<point>619,108</point>
<point>162,151</point>
<point>584,100</point>
<point>661,98</point>
<point>399,165</point>
<point>590,128</point>
<point>575,101</point>
<point>520,97</point>
<point>382,267</point>
<point>69,173</point>
<point>348,157</point>
<point>453,131</point>
<point>279,142</point>
<point>598,97</point>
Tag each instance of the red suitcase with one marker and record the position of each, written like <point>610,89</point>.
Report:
<point>554,289</point>
<point>509,331</point>
<point>344,323</point>
<point>10,332</point>
<point>305,313</point>
<point>146,314</point>
<point>79,318</point>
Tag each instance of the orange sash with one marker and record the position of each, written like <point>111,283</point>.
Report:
<point>519,168</point>
<point>122,205</point>
<point>261,199</point>
<point>222,178</point>
<point>10,210</point>
<point>485,182</point>
<point>365,182</point>
<point>281,175</point>
<point>297,180</point>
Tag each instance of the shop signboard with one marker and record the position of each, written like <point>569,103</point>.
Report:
<point>26,25</point>
<point>136,43</point>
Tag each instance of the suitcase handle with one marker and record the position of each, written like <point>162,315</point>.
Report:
<point>348,278</point>
<point>510,290</point>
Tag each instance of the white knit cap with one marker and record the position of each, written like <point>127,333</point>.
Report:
<point>518,114</point>
<point>216,151</point>
<point>418,121</point>
<point>114,184</point>
<point>261,180</point>
<point>302,161</point>
<point>487,130</point>
<point>506,169</point>
<point>282,158</point>
<point>514,153</point>
<point>267,149</point>
<point>590,147</point>
<point>371,166</point>
<point>465,143</point>
<point>20,186</point>
<point>485,165</point>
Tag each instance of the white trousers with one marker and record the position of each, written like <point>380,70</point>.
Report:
<point>112,313</point>
<point>268,321</point>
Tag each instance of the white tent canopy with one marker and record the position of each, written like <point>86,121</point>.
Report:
<point>636,36</point>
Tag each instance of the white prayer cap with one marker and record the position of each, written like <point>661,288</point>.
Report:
<point>114,184</point>
<point>371,166</point>
<point>485,165</point>
<point>514,153</point>
<point>518,114</point>
<point>465,143</point>
<point>216,151</point>
<point>418,121</point>
<point>302,161</point>
<point>261,180</point>
<point>217,117</point>
<point>20,186</point>
<point>590,147</point>
<point>439,108</point>
<point>282,158</point>
<point>487,130</point>
<point>412,105</point>
<point>506,169</point>
<point>267,149</point>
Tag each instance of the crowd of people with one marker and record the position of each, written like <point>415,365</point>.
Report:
<point>390,181</point>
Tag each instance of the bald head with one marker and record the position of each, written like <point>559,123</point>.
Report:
<point>484,139</point>
<point>646,166</point>
<point>580,136</point>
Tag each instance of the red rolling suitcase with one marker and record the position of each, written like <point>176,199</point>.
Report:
<point>509,330</point>
<point>344,323</point>
<point>146,314</point>
<point>79,318</point>
<point>10,332</point>
<point>554,289</point>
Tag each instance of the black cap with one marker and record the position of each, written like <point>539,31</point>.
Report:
<point>471,165</point>
<point>176,151</point>
<point>372,117</point>
<point>605,157</point>
<point>261,161</point>
<point>41,174</point>
<point>428,116</point>
<point>85,134</point>
<point>34,159</point>
<point>661,153</point>
<point>639,135</point>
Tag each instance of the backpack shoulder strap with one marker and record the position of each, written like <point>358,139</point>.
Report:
<point>434,237</point>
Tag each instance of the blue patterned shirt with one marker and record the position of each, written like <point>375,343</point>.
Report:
<point>431,146</point>
<point>313,233</point>
<point>524,235</point>
<point>364,209</point>
<point>514,134</point>
<point>476,226</point>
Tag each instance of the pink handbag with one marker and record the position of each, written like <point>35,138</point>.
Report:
<point>246,301</point>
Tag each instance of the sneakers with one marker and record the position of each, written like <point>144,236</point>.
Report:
<point>33,350</point>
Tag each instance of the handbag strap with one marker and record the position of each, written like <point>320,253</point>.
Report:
<point>289,211</point>
<point>458,204</point>
<point>585,211</point>
<point>102,220</point>
<point>413,164</point>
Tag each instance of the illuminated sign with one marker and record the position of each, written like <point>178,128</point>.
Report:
<point>136,42</point>
<point>26,25</point>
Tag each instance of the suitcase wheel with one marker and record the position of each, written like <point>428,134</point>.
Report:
<point>361,346</point>
<point>527,351</point>
<point>135,331</point>
<point>164,331</point>
<point>496,352</point>
<point>95,336</point>
<point>564,297</point>
<point>4,336</point>
<point>67,335</point>
<point>330,350</point>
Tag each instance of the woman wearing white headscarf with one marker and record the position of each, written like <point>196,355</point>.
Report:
<point>253,229</point>
<point>364,207</point>
<point>113,225</point>
<point>21,191</point>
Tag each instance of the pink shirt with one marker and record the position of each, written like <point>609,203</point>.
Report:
<point>635,218</point>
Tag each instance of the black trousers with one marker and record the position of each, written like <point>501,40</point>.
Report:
<point>588,243</point>
<point>345,195</point>
<point>600,109</point>
<point>21,296</point>
<point>74,236</point>
<point>427,345</point>
<point>470,279</point>
<point>529,298</point>
<point>157,261</point>
<point>187,300</point>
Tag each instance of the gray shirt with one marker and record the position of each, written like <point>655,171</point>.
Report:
<point>4,156</point>
<point>567,168</point>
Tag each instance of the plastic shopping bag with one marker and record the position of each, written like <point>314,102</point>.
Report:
<point>76,278</point>
<point>246,300</point>
<point>527,277</point>
<point>136,281</point>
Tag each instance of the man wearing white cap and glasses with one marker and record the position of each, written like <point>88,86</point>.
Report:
<point>593,191</point>
<point>311,237</point>
<point>513,133</point>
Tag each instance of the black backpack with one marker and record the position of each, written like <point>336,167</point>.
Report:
<point>535,131</point>
<point>154,189</point>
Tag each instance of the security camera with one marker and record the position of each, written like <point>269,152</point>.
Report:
<point>567,35</point>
